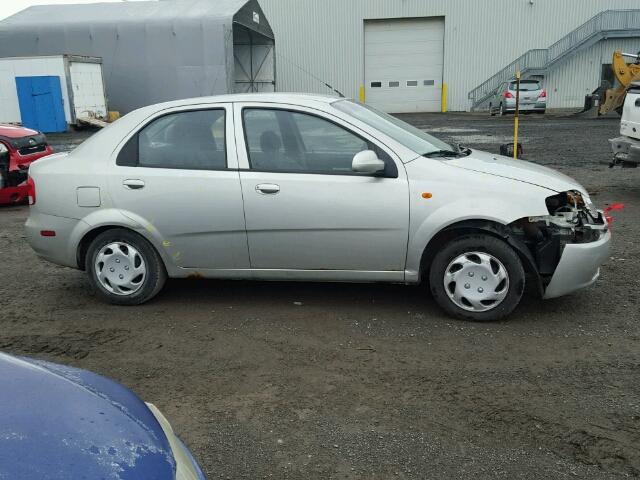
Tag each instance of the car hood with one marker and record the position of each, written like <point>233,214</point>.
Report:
<point>13,131</point>
<point>64,423</point>
<point>519,170</point>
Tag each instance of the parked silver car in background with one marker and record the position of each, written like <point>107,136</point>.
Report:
<point>533,98</point>
<point>300,187</point>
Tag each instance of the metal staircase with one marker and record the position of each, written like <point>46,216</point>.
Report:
<point>606,24</point>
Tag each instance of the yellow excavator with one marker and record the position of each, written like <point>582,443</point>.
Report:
<point>625,74</point>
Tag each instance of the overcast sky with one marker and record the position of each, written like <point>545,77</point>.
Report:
<point>9,7</point>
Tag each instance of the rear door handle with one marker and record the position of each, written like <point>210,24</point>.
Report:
<point>267,188</point>
<point>133,184</point>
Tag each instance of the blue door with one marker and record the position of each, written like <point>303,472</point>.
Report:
<point>41,106</point>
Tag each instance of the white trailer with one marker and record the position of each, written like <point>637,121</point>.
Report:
<point>82,90</point>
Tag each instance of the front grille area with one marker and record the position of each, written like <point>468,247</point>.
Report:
<point>32,150</point>
<point>28,142</point>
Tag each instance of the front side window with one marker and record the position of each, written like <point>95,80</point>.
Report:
<point>286,141</point>
<point>193,140</point>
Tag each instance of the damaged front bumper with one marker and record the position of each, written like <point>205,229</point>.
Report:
<point>579,266</point>
<point>567,246</point>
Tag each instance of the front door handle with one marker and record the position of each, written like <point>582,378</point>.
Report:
<point>267,188</point>
<point>133,184</point>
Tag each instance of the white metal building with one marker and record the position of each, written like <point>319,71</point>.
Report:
<point>401,52</point>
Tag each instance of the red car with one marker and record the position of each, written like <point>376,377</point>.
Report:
<point>19,147</point>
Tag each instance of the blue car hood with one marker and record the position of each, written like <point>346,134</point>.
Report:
<point>63,423</point>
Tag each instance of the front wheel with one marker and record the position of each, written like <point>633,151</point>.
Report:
<point>124,268</point>
<point>477,277</point>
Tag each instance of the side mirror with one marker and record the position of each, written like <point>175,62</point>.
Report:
<point>367,162</point>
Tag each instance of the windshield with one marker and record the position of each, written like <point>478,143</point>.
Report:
<point>525,86</point>
<point>420,142</point>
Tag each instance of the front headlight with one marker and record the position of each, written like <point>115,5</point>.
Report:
<point>186,466</point>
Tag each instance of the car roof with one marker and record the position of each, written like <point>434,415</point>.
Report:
<point>272,97</point>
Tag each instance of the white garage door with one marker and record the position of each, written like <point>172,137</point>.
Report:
<point>403,64</point>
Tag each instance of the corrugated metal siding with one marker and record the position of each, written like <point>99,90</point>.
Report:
<point>580,75</point>
<point>324,39</point>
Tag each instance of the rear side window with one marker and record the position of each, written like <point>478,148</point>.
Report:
<point>192,140</point>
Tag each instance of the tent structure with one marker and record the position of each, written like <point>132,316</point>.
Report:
<point>154,51</point>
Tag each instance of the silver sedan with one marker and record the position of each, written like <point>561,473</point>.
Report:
<point>533,98</point>
<point>301,187</point>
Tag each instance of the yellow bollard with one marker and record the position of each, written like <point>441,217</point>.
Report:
<point>362,93</point>
<point>516,118</point>
<point>443,100</point>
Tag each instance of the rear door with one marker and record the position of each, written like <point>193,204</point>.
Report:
<point>88,89</point>
<point>305,209</point>
<point>177,176</point>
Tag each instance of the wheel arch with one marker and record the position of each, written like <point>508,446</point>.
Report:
<point>466,227</point>
<point>90,236</point>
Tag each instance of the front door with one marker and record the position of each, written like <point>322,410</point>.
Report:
<point>178,178</point>
<point>305,208</point>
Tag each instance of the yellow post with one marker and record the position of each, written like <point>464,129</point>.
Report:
<point>362,93</point>
<point>516,118</point>
<point>443,100</point>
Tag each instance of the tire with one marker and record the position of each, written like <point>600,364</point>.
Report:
<point>469,258</point>
<point>503,112</point>
<point>491,112</point>
<point>122,254</point>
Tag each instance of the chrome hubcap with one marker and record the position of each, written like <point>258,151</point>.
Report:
<point>120,268</point>
<point>476,281</point>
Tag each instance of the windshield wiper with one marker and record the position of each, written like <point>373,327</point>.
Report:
<point>460,152</point>
<point>442,153</point>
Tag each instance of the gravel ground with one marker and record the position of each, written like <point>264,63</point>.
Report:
<point>318,381</point>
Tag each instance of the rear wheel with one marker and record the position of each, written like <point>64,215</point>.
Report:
<point>124,268</point>
<point>491,112</point>
<point>503,111</point>
<point>477,277</point>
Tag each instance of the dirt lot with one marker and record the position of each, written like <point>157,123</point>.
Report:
<point>280,380</point>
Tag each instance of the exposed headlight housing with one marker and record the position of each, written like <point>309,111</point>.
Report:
<point>186,466</point>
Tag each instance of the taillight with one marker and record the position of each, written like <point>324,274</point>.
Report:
<point>31,190</point>
<point>508,95</point>
<point>543,94</point>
